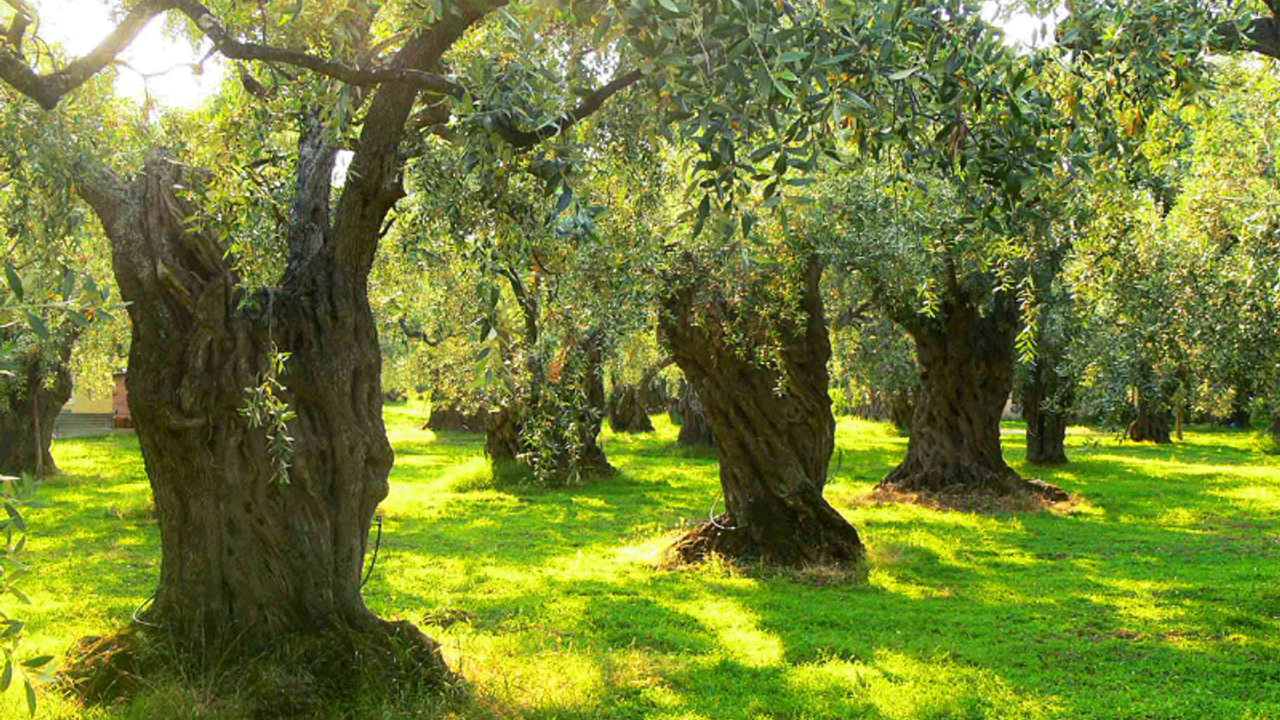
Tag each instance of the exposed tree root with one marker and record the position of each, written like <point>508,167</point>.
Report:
<point>968,487</point>
<point>295,676</point>
<point>967,479</point>
<point>823,539</point>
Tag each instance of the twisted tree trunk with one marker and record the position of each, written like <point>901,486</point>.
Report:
<point>901,405</point>
<point>590,456</point>
<point>695,429</point>
<point>966,374</point>
<point>28,411</point>
<point>452,418</point>
<point>249,549</point>
<point>1151,425</point>
<point>248,554</point>
<point>629,404</point>
<point>1046,426</point>
<point>774,428</point>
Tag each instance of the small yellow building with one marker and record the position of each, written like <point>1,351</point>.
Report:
<point>86,416</point>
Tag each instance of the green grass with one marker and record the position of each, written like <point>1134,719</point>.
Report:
<point>1158,596</point>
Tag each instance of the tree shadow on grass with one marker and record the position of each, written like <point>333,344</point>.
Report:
<point>1160,601</point>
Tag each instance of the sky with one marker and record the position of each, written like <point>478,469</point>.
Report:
<point>79,25</point>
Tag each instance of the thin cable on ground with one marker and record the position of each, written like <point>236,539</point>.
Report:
<point>711,518</point>
<point>143,608</point>
<point>377,543</point>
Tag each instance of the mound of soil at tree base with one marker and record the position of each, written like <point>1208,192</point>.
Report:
<point>1017,495</point>
<point>293,676</point>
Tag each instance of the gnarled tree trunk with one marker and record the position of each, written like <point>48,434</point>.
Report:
<point>28,411</point>
<point>901,404</point>
<point>1046,423</point>
<point>1151,425</point>
<point>695,429</point>
<point>250,550</point>
<point>502,434</point>
<point>774,429</point>
<point>589,456</point>
<point>626,411</point>
<point>249,555</point>
<point>451,418</point>
<point>966,374</point>
<point>629,404</point>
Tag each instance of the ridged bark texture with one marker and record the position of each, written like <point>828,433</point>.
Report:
<point>244,552</point>
<point>774,429</point>
<point>966,374</point>
<point>1151,425</point>
<point>695,428</point>
<point>28,412</point>
<point>1046,426</point>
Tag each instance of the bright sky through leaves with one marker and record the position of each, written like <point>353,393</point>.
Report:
<point>79,25</point>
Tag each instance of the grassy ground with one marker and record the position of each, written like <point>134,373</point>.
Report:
<point>1158,596</point>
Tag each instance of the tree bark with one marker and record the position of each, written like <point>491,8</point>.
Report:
<point>774,428</point>
<point>629,404</point>
<point>589,455</point>
<point>695,429</point>
<point>901,404</point>
<point>966,374</point>
<point>502,434</point>
<point>28,413</point>
<point>626,411</point>
<point>450,417</point>
<point>1046,426</point>
<point>246,553</point>
<point>1152,424</point>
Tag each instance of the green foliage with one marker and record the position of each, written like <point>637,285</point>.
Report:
<point>14,494</point>
<point>265,408</point>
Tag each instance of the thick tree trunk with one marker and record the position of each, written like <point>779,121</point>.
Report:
<point>502,434</point>
<point>253,549</point>
<point>263,529</point>
<point>629,404</point>
<point>449,417</point>
<point>966,374</point>
<point>901,405</point>
<point>590,456</point>
<point>626,411</point>
<point>246,552</point>
<point>28,412</point>
<point>1152,424</point>
<point>774,429</point>
<point>695,429</point>
<point>1046,426</point>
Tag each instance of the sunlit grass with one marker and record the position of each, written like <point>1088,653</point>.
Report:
<point>1157,596</point>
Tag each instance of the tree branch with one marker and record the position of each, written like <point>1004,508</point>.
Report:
<point>236,50</point>
<point>414,334</point>
<point>48,90</point>
<point>589,105</point>
<point>1260,36</point>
